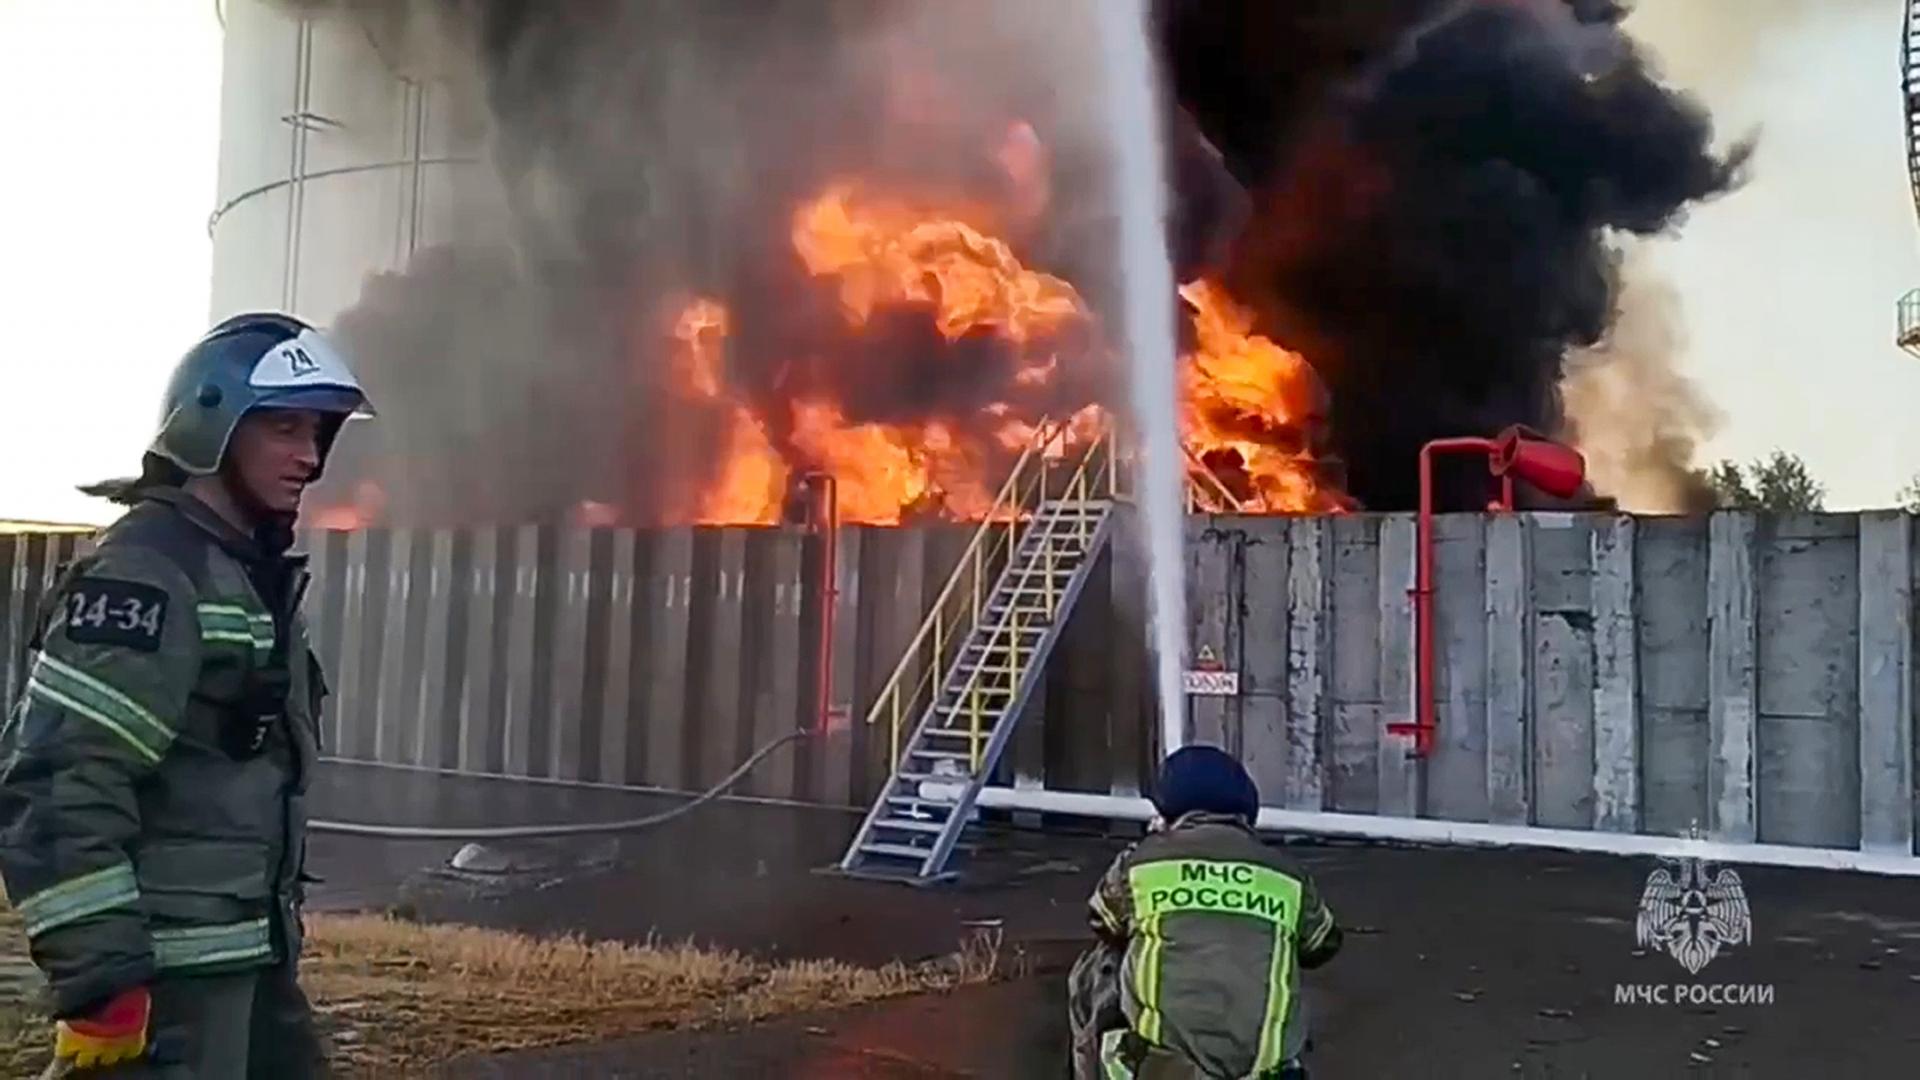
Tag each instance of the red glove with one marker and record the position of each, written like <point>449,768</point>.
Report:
<point>113,1033</point>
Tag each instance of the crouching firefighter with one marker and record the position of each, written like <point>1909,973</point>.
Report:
<point>1202,933</point>
<point>152,818</point>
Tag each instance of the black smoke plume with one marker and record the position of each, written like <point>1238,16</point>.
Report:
<point>1429,191</point>
<point>1437,185</point>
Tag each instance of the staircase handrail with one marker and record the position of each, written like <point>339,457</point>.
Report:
<point>974,558</point>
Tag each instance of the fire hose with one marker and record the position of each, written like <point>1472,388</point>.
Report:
<point>528,832</point>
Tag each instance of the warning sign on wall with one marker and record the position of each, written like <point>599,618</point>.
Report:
<point>1207,677</point>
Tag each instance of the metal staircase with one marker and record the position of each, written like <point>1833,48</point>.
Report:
<point>987,645</point>
<point>967,675</point>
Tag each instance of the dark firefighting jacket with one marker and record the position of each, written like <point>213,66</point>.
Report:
<point>152,816</point>
<point>1216,927</point>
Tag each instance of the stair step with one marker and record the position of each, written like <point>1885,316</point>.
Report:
<point>909,824</point>
<point>954,733</point>
<point>941,755</point>
<point>902,851</point>
<point>917,802</point>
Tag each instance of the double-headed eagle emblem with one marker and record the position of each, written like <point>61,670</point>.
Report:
<point>1691,916</point>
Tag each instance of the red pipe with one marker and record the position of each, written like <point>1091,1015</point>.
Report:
<point>827,508</point>
<point>1520,451</point>
<point>1423,725</point>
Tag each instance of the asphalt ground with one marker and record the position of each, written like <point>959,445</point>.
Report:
<point>1458,962</point>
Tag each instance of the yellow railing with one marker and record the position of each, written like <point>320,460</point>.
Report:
<point>917,678</point>
<point>1206,494</point>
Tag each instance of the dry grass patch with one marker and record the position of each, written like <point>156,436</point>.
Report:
<point>400,998</point>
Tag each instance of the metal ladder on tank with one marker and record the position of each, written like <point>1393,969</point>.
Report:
<point>978,656</point>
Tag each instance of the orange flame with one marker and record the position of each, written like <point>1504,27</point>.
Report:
<point>1246,401</point>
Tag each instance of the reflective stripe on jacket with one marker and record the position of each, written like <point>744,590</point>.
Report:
<point>155,762</point>
<point>1216,926</point>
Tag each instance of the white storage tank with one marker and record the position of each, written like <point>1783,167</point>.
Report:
<point>339,157</point>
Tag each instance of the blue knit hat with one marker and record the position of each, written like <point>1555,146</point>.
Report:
<point>1204,778</point>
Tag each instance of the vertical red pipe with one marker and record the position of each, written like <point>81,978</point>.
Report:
<point>1423,724</point>
<point>827,513</point>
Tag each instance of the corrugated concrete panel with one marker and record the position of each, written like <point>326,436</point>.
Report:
<point>1732,685</point>
<point>432,735</point>
<point>1266,607</point>
<point>361,643</point>
<point>13,617</point>
<point>669,602</point>
<point>1457,769</point>
<point>1353,742</point>
<point>1402,777</point>
<point>508,580</point>
<point>1886,682</point>
<point>325,603</point>
<point>526,657</point>
<point>1080,758</point>
<point>830,756</point>
<point>1310,619</point>
<point>395,709</point>
<point>550,592</point>
<point>895,564</point>
<point>1672,629</point>
<point>777,708</point>
<point>444,752</point>
<point>30,566</point>
<point>717,726</point>
<point>490,593</point>
<point>1616,678</point>
<point>1561,685</point>
<point>541,650</point>
<point>1214,567</point>
<point>595,655</point>
<point>1132,720</point>
<point>1510,745</point>
<point>1807,773</point>
<point>573,587</point>
<point>312,607</point>
<point>622,713</point>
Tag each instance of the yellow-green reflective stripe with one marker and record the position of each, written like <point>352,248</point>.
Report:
<point>39,689</point>
<point>199,945</point>
<point>67,678</point>
<point>1110,1064</point>
<point>1230,888</point>
<point>88,894</point>
<point>1278,995</point>
<point>227,619</point>
<point>1146,978</point>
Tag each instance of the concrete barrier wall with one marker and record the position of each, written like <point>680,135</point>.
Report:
<point>29,564</point>
<point>1753,676</point>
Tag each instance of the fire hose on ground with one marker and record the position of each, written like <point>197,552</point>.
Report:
<point>530,832</point>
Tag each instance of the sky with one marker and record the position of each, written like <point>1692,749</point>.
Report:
<point>109,120</point>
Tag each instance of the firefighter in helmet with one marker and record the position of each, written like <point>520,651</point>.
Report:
<point>1202,933</point>
<point>153,770</point>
